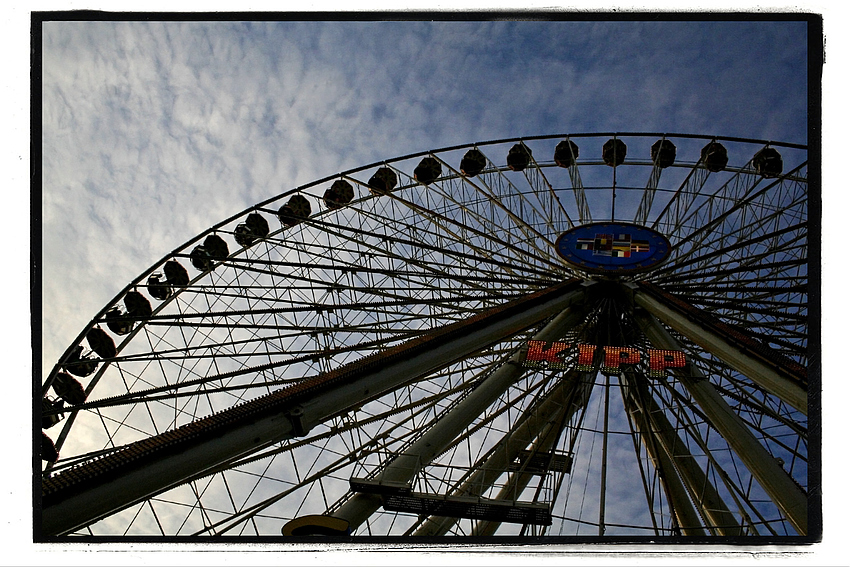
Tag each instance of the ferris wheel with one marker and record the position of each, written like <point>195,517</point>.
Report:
<point>579,335</point>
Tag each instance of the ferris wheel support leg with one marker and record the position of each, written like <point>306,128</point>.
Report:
<point>518,481</point>
<point>672,455</point>
<point>191,451</point>
<point>780,487</point>
<point>404,467</point>
<point>544,416</point>
<point>782,378</point>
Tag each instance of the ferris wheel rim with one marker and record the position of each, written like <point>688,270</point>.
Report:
<point>176,252</point>
<point>260,206</point>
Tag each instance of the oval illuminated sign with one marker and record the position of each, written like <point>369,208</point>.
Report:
<point>613,247</point>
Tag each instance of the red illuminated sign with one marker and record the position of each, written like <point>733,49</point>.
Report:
<point>542,354</point>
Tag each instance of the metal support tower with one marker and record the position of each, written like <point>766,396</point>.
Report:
<point>536,423</point>
<point>580,387</point>
<point>191,451</point>
<point>404,467</point>
<point>781,488</point>
<point>776,378</point>
<point>684,479</point>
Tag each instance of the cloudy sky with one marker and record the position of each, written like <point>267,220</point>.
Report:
<point>154,131</point>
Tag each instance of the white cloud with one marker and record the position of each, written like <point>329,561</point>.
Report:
<point>155,131</point>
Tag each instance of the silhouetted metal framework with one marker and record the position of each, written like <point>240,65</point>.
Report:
<point>349,357</point>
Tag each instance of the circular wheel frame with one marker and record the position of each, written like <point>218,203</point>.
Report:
<point>381,357</point>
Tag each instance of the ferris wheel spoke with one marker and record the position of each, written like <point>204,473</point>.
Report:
<point>750,303</point>
<point>677,206</point>
<point>794,232</point>
<point>771,325</point>
<point>379,323</point>
<point>537,179</point>
<point>446,264</point>
<point>750,267</point>
<point>740,227</point>
<point>769,330</point>
<point>289,331</point>
<point>381,247</point>
<point>369,285</point>
<point>731,203</point>
<point>135,397</point>
<point>230,345</point>
<point>500,187</point>
<point>748,232</point>
<point>742,303</point>
<point>573,170</point>
<point>467,233</point>
<point>534,182</point>
<point>743,306</point>
<point>747,299</point>
<point>492,185</point>
<point>443,237</point>
<point>187,320</point>
<point>488,185</point>
<point>678,456</point>
<point>772,331</point>
<point>753,215</point>
<point>648,196</point>
<point>796,284</point>
<point>745,192</point>
<point>438,248</point>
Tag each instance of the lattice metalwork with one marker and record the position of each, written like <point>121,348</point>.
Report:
<point>561,451</point>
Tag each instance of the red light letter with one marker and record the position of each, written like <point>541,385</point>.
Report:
<point>546,355</point>
<point>585,358</point>
<point>615,356</point>
<point>661,360</point>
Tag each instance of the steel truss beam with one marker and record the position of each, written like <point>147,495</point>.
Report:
<point>83,495</point>
<point>546,415</point>
<point>671,216</point>
<point>649,192</point>
<point>788,496</point>
<point>776,374</point>
<point>404,467</point>
<point>581,386</point>
<point>684,479</point>
<point>584,215</point>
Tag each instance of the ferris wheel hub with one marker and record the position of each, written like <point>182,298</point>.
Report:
<point>440,335</point>
<point>613,248</point>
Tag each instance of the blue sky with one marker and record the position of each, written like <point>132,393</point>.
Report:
<point>152,132</point>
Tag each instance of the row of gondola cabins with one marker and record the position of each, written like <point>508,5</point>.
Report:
<point>767,162</point>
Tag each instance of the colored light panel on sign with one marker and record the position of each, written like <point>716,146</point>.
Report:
<point>661,360</point>
<point>613,247</point>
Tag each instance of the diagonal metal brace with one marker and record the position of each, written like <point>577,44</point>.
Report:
<point>775,373</point>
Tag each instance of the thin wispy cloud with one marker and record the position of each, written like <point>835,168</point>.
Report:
<point>154,131</point>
